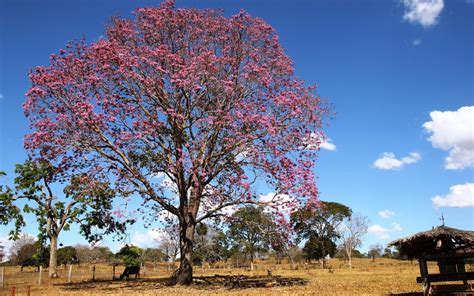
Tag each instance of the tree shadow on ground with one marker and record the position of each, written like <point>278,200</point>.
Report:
<point>199,282</point>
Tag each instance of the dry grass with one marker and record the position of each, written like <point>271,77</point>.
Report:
<point>382,277</point>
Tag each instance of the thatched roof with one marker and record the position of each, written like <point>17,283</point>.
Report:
<point>441,240</point>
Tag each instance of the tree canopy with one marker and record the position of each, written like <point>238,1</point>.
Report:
<point>211,102</point>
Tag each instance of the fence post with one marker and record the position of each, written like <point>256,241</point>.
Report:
<point>2,277</point>
<point>12,291</point>
<point>113,272</point>
<point>69,274</point>
<point>93,273</point>
<point>39,276</point>
<point>28,290</point>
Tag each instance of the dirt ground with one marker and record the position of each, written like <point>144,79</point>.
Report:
<point>382,277</point>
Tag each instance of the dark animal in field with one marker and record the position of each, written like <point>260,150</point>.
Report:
<point>129,270</point>
<point>29,262</point>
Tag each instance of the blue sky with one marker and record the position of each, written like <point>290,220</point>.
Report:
<point>384,65</point>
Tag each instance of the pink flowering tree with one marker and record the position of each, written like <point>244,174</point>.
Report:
<point>208,102</point>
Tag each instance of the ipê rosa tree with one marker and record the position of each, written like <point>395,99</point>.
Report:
<point>210,102</point>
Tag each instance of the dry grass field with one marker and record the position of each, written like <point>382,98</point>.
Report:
<point>382,277</point>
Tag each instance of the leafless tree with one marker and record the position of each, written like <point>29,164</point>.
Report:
<point>351,233</point>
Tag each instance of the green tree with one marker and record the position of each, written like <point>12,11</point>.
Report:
<point>131,256</point>
<point>317,248</point>
<point>320,220</point>
<point>83,200</point>
<point>250,231</point>
<point>67,255</point>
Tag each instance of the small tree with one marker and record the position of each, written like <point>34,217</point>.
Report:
<point>67,255</point>
<point>130,255</point>
<point>375,251</point>
<point>95,254</point>
<point>351,233</point>
<point>317,248</point>
<point>249,230</point>
<point>320,221</point>
<point>82,200</point>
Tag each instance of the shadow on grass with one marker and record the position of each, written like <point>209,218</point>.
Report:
<point>199,282</point>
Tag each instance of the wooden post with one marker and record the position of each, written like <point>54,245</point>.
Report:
<point>93,273</point>
<point>69,274</point>
<point>39,276</point>
<point>28,290</point>
<point>12,291</point>
<point>113,272</point>
<point>2,277</point>
<point>424,276</point>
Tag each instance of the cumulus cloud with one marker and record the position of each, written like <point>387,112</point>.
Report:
<point>459,196</point>
<point>423,12</point>
<point>416,42</point>
<point>386,214</point>
<point>382,232</point>
<point>453,131</point>
<point>152,237</point>
<point>7,245</point>
<point>388,161</point>
<point>328,145</point>
<point>316,140</point>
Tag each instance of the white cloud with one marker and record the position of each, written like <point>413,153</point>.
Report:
<point>7,245</point>
<point>459,196</point>
<point>424,12</point>
<point>416,42</point>
<point>316,140</point>
<point>453,131</point>
<point>396,227</point>
<point>151,238</point>
<point>382,232</point>
<point>328,145</point>
<point>386,214</point>
<point>388,161</point>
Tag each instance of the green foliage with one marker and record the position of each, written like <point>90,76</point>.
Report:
<point>130,255</point>
<point>9,211</point>
<point>67,255</point>
<point>320,223</point>
<point>315,248</point>
<point>251,231</point>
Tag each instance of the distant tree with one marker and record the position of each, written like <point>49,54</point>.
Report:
<point>389,252</point>
<point>221,246</point>
<point>95,254</point>
<point>321,221</point>
<point>153,255</point>
<point>351,233</point>
<point>130,255</point>
<point>82,200</point>
<point>375,251</point>
<point>67,255</point>
<point>15,255</point>
<point>169,242</point>
<point>250,230</point>
<point>313,248</point>
<point>2,252</point>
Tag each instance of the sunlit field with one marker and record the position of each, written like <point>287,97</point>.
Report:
<point>382,277</point>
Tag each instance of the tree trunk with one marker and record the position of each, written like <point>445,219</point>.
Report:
<point>184,274</point>
<point>349,257</point>
<point>53,257</point>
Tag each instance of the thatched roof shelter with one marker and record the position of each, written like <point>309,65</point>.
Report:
<point>440,241</point>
